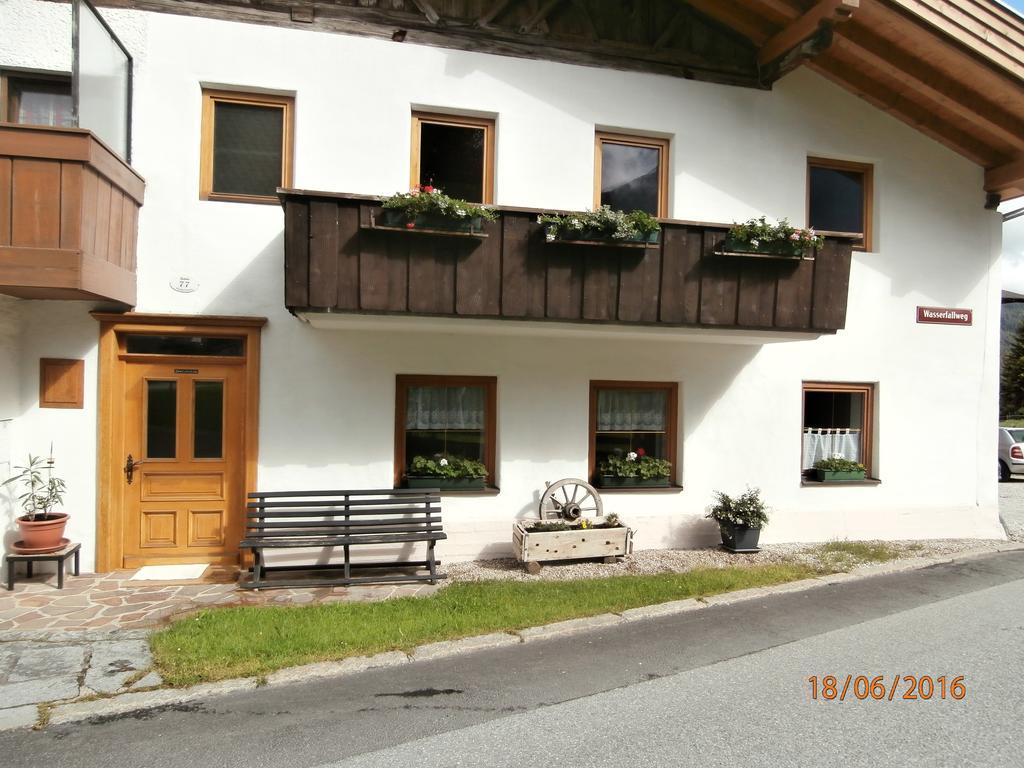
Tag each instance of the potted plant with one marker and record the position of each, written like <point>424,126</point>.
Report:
<point>740,519</point>
<point>634,470</point>
<point>603,226</point>
<point>42,529</point>
<point>839,469</point>
<point>538,541</point>
<point>761,237</point>
<point>428,208</point>
<point>452,473</point>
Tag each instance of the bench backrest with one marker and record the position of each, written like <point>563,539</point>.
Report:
<point>298,514</point>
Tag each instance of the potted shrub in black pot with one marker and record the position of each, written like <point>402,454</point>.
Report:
<point>740,519</point>
<point>449,473</point>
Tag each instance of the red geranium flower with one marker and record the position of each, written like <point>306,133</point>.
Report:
<point>428,189</point>
<point>410,225</point>
<point>641,452</point>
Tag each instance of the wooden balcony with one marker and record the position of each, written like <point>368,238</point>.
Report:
<point>69,210</point>
<point>336,261</point>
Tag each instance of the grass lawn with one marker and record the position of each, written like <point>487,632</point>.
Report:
<point>1012,423</point>
<point>246,641</point>
<point>843,555</point>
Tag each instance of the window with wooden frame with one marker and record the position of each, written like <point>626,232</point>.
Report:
<point>632,417</point>
<point>246,151</point>
<point>839,198</point>
<point>631,173</point>
<point>36,98</point>
<point>454,154</point>
<point>837,419</point>
<point>442,416</point>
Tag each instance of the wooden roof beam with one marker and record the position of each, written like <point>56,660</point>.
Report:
<point>428,10</point>
<point>539,16</point>
<point>1006,180</point>
<point>802,29</point>
<point>492,13</point>
<point>740,20</point>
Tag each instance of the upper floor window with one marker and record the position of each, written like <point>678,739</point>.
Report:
<point>631,173</point>
<point>246,146</point>
<point>839,195</point>
<point>37,99</point>
<point>454,154</point>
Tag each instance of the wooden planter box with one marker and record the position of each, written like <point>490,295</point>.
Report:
<point>575,544</point>
<point>732,247</point>
<point>610,481</point>
<point>448,483</point>
<point>828,476</point>
<point>595,237</point>
<point>391,218</point>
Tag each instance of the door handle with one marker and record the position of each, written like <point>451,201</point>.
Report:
<point>129,468</point>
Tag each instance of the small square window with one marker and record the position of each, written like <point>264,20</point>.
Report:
<point>839,198</point>
<point>445,416</point>
<point>838,419</point>
<point>632,417</point>
<point>631,173</point>
<point>246,146</point>
<point>31,99</point>
<point>454,154</point>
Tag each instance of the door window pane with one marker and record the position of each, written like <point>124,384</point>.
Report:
<point>452,159</point>
<point>247,148</point>
<point>38,101</point>
<point>631,177</point>
<point>161,419</point>
<point>221,346</point>
<point>208,425</point>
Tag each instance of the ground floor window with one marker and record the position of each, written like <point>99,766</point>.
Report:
<point>838,419</point>
<point>444,417</point>
<point>633,421</point>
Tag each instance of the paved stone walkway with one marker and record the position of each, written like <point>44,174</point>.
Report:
<point>110,601</point>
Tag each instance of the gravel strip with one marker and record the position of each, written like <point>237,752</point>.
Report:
<point>651,561</point>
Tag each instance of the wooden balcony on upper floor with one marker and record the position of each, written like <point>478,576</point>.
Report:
<point>336,261</point>
<point>69,211</point>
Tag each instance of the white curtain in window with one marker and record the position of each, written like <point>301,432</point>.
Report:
<point>631,410</point>
<point>445,408</point>
<point>823,443</point>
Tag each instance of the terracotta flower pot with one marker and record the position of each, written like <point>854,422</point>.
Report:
<point>45,534</point>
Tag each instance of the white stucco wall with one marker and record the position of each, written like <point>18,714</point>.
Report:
<point>327,407</point>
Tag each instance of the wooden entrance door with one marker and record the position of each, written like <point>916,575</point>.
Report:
<point>184,495</point>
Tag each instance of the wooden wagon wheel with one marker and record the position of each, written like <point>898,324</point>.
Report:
<point>570,499</point>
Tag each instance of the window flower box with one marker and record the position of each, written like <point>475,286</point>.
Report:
<point>391,218</point>
<point>604,226</point>
<point>447,483</point>
<point>781,240</point>
<point>834,476</point>
<point>428,210</point>
<point>733,247</point>
<point>612,481</point>
<point>597,237</point>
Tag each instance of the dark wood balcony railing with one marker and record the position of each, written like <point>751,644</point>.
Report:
<point>336,261</point>
<point>69,210</point>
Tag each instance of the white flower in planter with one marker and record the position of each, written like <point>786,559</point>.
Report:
<point>631,456</point>
<point>755,243</point>
<point>838,456</point>
<point>443,462</point>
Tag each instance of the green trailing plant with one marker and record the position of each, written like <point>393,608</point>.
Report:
<point>780,238</point>
<point>448,467</point>
<point>43,491</point>
<point>747,509</point>
<point>603,222</point>
<point>839,463</point>
<point>431,201</point>
<point>635,464</point>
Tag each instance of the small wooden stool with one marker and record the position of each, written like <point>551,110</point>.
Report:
<point>60,557</point>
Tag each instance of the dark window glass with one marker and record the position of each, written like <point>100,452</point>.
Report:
<point>631,420</point>
<point>161,419</point>
<point>629,177</point>
<point>247,141</point>
<point>833,424</point>
<point>209,420</point>
<point>452,159</point>
<point>445,421</point>
<point>222,346</point>
<point>37,101</point>
<point>837,200</point>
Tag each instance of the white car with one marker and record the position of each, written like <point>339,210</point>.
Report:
<point>1011,452</point>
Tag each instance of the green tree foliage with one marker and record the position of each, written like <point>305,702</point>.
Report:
<point>1011,390</point>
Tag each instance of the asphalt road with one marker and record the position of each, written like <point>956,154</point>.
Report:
<point>723,686</point>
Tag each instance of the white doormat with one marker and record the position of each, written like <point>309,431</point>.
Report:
<point>170,572</point>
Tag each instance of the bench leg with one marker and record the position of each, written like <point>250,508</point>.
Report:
<point>348,564</point>
<point>431,562</point>
<point>257,565</point>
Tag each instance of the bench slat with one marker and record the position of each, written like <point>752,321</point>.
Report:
<point>342,523</point>
<point>379,492</point>
<point>336,541</point>
<point>354,503</point>
<point>285,514</point>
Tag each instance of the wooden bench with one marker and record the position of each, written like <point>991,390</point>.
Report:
<point>330,519</point>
